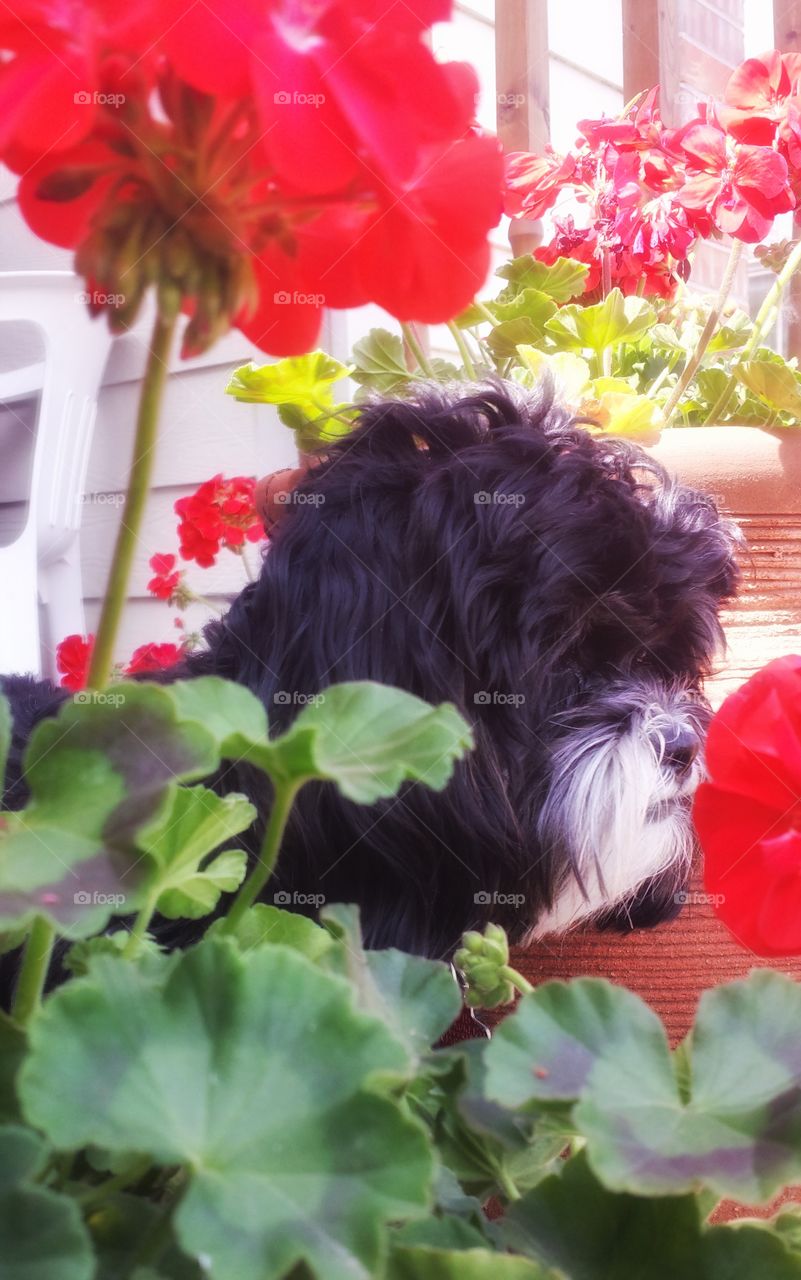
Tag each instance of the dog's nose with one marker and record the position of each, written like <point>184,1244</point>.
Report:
<point>681,752</point>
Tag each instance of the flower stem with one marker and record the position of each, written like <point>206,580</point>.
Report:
<point>135,499</point>
<point>141,924</point>
<point>33,972</point>
<point>706,333</point>
<point>283,800</point>
<point>516,979</point>
<point>464,351</point>
<point>764,318</point>
<point>410,338</point>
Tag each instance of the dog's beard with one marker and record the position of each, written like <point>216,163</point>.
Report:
<point>617,812</point>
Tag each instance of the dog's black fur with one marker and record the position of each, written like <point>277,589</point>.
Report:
<point>487,551</point>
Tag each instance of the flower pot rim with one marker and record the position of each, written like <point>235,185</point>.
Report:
<point>749,470</point>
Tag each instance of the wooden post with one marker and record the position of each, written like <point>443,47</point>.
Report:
<point>522,92</point>
<point>787,38</point>
<point>650,53</point>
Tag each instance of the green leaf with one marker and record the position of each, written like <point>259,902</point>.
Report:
<point>605,325</point>
<point>264,925</point>
<point>530,304</point>
<point>119,1226</point>
<point>233,715</point>
<point>368,739</point>
<point>301,388</point>
<point>737,1132</point>
<point>417,999</point>
<point>774,382</point>
<point>379,362</point>
<point>427,1263</point>
<point>42,1236</point>
<point>625,1237</point>
<point>732,335</point>
<point>562,280</point>
<point>507,336</point>
<point>440,1233</point>
<point>80,956</point>
<point>257,1075</point>
<point>98,772</point>
<point>197,822</point>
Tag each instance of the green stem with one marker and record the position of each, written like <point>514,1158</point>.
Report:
<point>95,1196</point>
<point>517,980</point>
<point>506,1184</point>
<point>464,352</point>
<point>268,854</point>
<point>135,499</point>
<point>706,333</point>
<point>764,318</point>
<point>486,313</point>
<point>410,338</point>
<point>33,972</point>
<point>140,928</point>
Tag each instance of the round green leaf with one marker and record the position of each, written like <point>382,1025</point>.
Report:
<point>256,1073</point>
<point>42,1236</point>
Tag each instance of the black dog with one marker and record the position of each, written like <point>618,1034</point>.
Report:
<point>562,591</point>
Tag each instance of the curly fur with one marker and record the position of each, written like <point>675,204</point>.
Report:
<point>563,592</point>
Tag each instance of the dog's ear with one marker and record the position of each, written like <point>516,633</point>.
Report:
<point>273,494</point>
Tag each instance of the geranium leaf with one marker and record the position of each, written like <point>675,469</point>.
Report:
<point>98,772</point>
<point>256,1073</point>
<point>774,382</point>
<point>561,280</point>
<point>379,362</point>
<point>417,999</point>
<point>733,334</point>
<point>425,1262</point>
<point>605,324</point>
<point>368,739</point>
<point>263,925</point>
<point>118,1226</point>
<point>620,1232</point>
<point>530,304</point>
<point>197,822</point>
<point>233,715</point>
<point>302,382</point>
<point>42,1236</point>
<point>737,1131</point>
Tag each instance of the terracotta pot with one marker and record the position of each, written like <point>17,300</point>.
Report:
<point>755,476</point>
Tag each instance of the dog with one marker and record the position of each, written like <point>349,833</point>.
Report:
<point>562,590</point>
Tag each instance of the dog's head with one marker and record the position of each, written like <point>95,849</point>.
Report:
<point>563,591</point>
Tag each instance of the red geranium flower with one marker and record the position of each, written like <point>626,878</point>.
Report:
<point>534,182</point>
<point>757,95</point>
<point>73,656</point>
<point>153,657</point>
<point>219,513</point>
<point>166,580</point>
<point>743,187</point>
<point>748,815</point>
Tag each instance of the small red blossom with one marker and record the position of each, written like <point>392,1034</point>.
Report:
<point>166,578</point>
<point>748,814</point>
<point>221,513</point>
<point>757,96</point>
<point>73,656</point>
<point>153,657</point>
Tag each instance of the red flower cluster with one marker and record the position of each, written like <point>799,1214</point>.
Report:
<point>634,197</point>
<point>74,655</point>
<point>748,815</point>
<point>261,159</point>
<point>221,513</point>
<point>166,581</point>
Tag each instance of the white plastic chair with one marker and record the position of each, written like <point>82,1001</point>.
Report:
<point>52,355</point>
